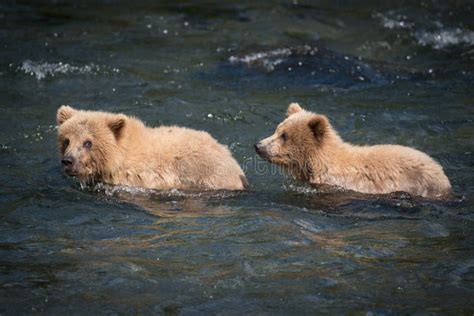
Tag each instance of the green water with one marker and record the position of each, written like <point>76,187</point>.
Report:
<point>394,73</point>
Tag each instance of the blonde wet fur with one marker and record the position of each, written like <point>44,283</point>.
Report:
<point>310,149</point>
<point>120,150</point>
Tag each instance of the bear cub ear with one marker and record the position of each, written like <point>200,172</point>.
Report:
<point>116,125</point>
<point>293,108</point>
<point>65,112</point>
<point>318,125</point>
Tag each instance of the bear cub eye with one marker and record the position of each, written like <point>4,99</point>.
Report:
<point>65,144</point>
<point>284,136</point>
<point>87,144</point>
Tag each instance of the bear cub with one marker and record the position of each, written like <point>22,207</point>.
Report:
<point>120,150</point>
<point>309,148</point>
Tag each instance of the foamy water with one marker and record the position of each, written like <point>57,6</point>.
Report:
<point>444,38</point>
<point>433,34</point>
<point>113,190</point>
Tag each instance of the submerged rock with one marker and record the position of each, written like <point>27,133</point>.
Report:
<point>304,65</point>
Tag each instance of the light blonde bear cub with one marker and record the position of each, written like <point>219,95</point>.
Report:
<point>120,150</point>
<point>310,149</point>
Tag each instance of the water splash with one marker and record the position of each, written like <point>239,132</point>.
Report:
<point>432,33</point>
<point>444,38</point>
<point>114,190</point>
<point>311,189</point>
<point>128,191</point>
<point>397,22</point>
<point>269,59</point>
<point>38,134</point>
<point>41,70</point>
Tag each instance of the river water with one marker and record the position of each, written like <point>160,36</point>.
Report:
<point>383,73</point>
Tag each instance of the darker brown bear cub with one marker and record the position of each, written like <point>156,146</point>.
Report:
<point>121,150</point>
<point>311,150</point>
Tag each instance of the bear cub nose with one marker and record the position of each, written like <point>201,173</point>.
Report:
<point>67,161</point>
<point>257,147</point>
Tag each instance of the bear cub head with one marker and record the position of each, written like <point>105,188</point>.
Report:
<point>88,142</point>
<point>300,136</point>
